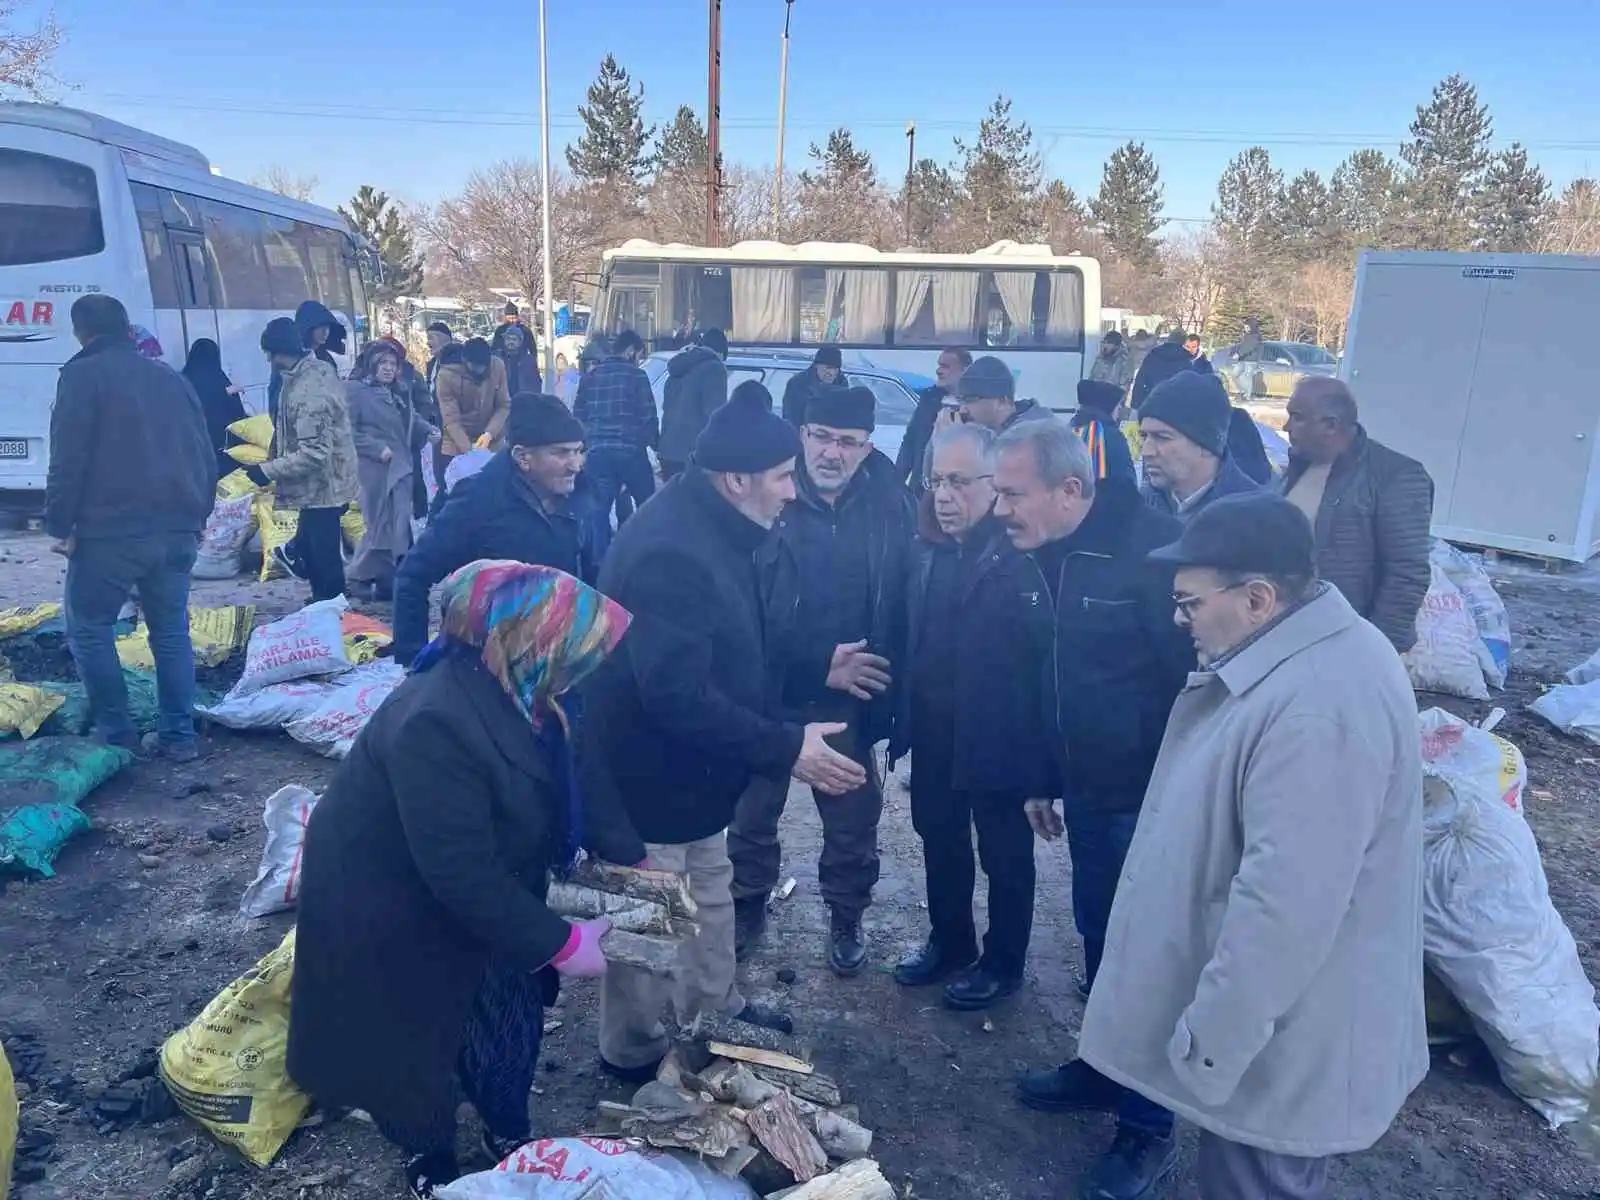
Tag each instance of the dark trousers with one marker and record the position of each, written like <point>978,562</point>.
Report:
<point>1098,844</point>
<point>496,1068</point>
<point>612,471</point>
<point>319,547</point>
<point>944,819</point>
<point>101,574</point>
<point>848,868</point>
<point>1229,1171</point>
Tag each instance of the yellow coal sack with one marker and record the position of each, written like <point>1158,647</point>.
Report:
<point>229,1069</point>
<point>247,454</point>
<point>16,621</point>
<point>215,632</point>
<point>235,484</point>
<point>8,1123</point>
<point>352,525</point>
<point>23,708</point>
<point>256,430</point>
<point>278,528</point>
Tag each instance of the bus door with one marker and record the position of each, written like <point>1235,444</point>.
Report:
<point>196,288</point>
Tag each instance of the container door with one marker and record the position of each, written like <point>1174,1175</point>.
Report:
<point>196,289</point>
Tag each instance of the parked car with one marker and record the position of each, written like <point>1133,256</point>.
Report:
<point>1272,372</point>
<point>896,390</point>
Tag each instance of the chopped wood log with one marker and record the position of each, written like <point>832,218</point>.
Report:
<point>681,1121</point>
<point>657,956</point>
<point>659,887</point>
<point>715,1027</point>
<point>763,1058</point>
<point>841,1137</point>
<point>860,1180</point>
<point>736,1083</point>
<point>671,1071</point>
<point>734,1161</point>
<point>628,913</point>
<point>805,1085</point>
<point>779,1127</point>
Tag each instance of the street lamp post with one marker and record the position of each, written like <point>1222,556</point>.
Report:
<point>783,111</point>
<point>911,168</point>
<point>544,187</point>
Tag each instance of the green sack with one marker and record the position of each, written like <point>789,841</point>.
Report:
<point>55,770</point>
<point>31,837</point>
<point>74,718</point>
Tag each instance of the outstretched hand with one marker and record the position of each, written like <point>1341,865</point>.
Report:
<point>823,767</point>
<point>855,670</point>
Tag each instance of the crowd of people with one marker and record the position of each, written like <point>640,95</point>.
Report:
<point>1190,673</point>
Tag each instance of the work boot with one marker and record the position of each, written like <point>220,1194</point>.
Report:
<point>847,951</point>
<point>929,963</point>
<point>979,988</point>
<point>1071,1087</point>
<point>427,1173</point>
<point>497,1149</point>
<point>1132,1167</point>
<point>766,1018</point>
<point>749,925</point>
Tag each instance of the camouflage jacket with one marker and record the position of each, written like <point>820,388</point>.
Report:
<point>314,463</point>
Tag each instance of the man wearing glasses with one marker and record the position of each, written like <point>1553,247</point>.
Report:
<point>1262,973</point>
<point>832,575</point>
<point>1114,661</point>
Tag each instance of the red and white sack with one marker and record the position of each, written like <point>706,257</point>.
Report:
<point>300,646</point>
<point>333,726</point>
<point>591,1168</point>
<point>228,528</point>
<point>271,707</point>
<point>1446,657</point>
<point>276,887</point>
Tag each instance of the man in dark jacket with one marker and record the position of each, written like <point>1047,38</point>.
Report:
<point>1245,447</point>
<point>988,395</point>
<point>520,506</point>
<point>971,715</point>
<point>826,371</point>
<point>1165,360</point>
<point>1095,422</point>
<point>697,385</point>
<point>833,578</point>
<point>931,403</point>
<point>680,717</point>
<point>1114,662</point>
<point>131,483</point>
<point>618,413</point>
<point>1183,440</point>
<point>512,346</point>
<point>1370,507</point>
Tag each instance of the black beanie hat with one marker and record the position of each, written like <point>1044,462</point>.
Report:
<point>1196,406</point>
<point>538,420</point>
<point>1098,395</point>
<point>753,390</point>
<point>843,408</point>
<point>282,336</point>
<point>746,437</point>
<point>829,356</point>
<point>716,341</point>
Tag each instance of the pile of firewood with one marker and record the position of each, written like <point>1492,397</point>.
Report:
<point>651,912</point>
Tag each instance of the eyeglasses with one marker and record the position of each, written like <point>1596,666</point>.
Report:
<point>842,441</point>
<point>1189,605</point>
<point>957,483</point>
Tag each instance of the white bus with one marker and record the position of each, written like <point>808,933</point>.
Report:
<point>91,205</point>
<point>1036,310</point>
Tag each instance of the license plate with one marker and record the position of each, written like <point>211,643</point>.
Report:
<point>13,447</point>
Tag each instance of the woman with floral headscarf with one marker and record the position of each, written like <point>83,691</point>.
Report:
<point>425,951</point>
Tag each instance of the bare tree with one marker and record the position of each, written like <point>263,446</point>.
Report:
<point>1323,291</point>
<point>1195,274</point>
<point>26,53</point>
<point>280,179</point>
<point>1574,224</point>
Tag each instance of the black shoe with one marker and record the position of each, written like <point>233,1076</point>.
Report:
<point>766,1018</point>
<point>847,952</point>
<point>930,964</point>
<point>749,925</point>
<point>633,1075</point>
<point>1132,1167</point>
<point>1071,1087</point>
<point>498,1149</point>
<point>288,562</point>
<point>426,1173</point>
<point>980,988</point>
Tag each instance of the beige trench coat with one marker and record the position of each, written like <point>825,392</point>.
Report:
<point>1263,965</point>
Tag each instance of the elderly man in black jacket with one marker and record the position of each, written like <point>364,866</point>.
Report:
<point>697,385</point>
<point>971,715</point>
<point>132,481</point>
<point>826,371</point>
<point>1370,507</point>
<point>1114,662</point>
<point>833,578</point>
<point>680,718</point>
<point>520,506</point>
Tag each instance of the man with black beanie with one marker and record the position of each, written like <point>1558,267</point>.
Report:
<point>697,385</point>
<point>1096,424</point>
<point>1183,439</point>
<point>680,717</point>
<point>519,507</point>
<point>826,371</point>
<point>833,577</point>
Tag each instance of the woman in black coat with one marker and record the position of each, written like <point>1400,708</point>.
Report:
<point>219,399</point>
<point>425,948</point>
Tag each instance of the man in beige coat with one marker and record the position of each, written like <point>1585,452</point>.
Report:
<point>1263,966</point>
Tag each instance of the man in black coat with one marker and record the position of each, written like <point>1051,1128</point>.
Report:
<point>931,401</point>
<point>680,718</point>
<point>1114,662</point>
<point>132,481</point>
<point>697,385</point>
<point>826,371</point>
<point>833,581</point>
<point>971,715</point>
<point>520,506</point>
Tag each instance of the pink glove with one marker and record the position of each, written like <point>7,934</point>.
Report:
<point>580,958</point>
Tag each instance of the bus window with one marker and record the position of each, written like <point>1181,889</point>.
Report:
<point>935,308</point>
<point>234,237</point>
<point>286,268</point>
<point>1062,310</point>
<point>1008,305</point>
<point>857,305</point>
<point>49,209</point>
<point>325,250</point>
<point>761,300</point>
<point>157,256</point>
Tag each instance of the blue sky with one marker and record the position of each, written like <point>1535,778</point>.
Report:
<point>411,99</point>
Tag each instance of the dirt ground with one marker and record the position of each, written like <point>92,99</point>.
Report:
<point>100,964</point>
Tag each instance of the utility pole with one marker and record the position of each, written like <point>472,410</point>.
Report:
<point>783,111</point>
<point>911,166</point>
<point>544,188</point>
<point>714,129</point>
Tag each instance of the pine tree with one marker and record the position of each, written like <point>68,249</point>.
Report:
<point>1515,203</point>
<point>840,197</point>
<point>1063,218</point>
<point>1248,208</point>
<point>1365,195</point>
<point>380,222</point>
<point>999,177</point>
<point>1128,205</point>
<point>933,199</point>
<point>681,146</point>
<point>1306,219</point>
<point>1446,160</point>
<point>612,148</point>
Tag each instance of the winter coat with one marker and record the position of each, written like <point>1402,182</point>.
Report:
<point>470,407</point>
<point>1373,534</point>
<point>425,858</point>
<point>1162,362</point>
<point>1263,965</point>
<point>1247,449</point>
<point>1230,481</point>
<point>908,463</point>
<point>680,718</point>
<point>450,354</point>
<point>617,408</point>
<point>315,465</point>
<point>218,399</point>
<point>697,385</point>
<point>1113,369</point>
<point>382,419</point>
<point>1027,410</point>
<point>798,391</point>
<point>1108,449</point>
<point>522,368</point>
<point>998,741</point>
<point>821,556</point>
<point>129,452</point>
<point>308,317</point>
<point>493,514</point>
<point>1111,654</point>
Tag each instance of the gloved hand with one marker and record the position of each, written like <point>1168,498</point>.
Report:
<point>580,958</point>
<point>483,442</point>
<point>257,476</point>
